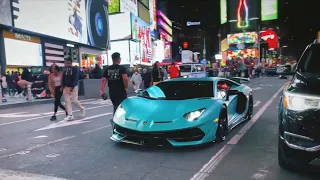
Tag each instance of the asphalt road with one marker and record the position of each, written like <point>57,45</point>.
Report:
<point>33,148</point>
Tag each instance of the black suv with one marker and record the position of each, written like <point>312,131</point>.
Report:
<point>299,113</point>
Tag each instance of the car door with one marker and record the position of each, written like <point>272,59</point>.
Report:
<point>201,72</point>
<point>231,102</point>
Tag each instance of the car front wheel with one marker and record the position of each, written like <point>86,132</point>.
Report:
<point>222,129</point>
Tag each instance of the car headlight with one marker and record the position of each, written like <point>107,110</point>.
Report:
<point>297,102</point>
<point>119,112</point>
<point>194,115</point>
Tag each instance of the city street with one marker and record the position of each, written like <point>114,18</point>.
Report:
<point>33,148</point>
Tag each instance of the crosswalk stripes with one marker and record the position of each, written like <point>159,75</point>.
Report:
<point>16,175</point>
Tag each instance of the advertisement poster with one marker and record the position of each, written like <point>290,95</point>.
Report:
<point>121,47</point>
<point>114,6</point>
<point>82,21</point>
<point>122,30</point>
<point>223,11</point>
<point>129,6</point>
<point>158,51</point>
<point>145,3</point>
<point>141,32</point>
<point>153,15</point>
<point>134,53</point>
<point>186,56</point>
<point>5,13</point>
<point>240,38</point>
<point>269,10</point>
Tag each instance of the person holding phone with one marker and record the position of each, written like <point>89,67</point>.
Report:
<point>116,76</point>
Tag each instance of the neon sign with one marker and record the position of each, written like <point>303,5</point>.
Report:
<point>243,6</point>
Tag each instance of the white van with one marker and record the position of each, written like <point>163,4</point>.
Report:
<point>193,70</point>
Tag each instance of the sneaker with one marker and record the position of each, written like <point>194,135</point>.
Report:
<point>53,118</point>
<point>69,118</point>
<point>83,112</point>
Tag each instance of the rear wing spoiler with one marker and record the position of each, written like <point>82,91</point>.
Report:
<point>239,79</point>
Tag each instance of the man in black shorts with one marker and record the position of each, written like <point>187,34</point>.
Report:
<point>117,78</point>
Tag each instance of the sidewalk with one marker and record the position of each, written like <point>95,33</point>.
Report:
<point>22,101</point>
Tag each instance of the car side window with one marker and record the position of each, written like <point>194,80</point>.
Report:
<point>222,89</point>
<point>193,68</point>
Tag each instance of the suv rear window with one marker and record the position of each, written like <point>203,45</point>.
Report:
<point>185,68</point>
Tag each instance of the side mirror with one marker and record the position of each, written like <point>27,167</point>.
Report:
<point>138,91</point>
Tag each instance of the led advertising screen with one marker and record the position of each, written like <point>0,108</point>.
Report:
<point>144,13</point>
<point>114,6</point>
<point>82,21</point>
<point>269,10</point>
<point>122,30</point>
<point>164,18</point>
<point>129,6</point>
<point>223,11</point>
<point>145,3</point>
<point>141,32</point>
<point>22,50</point>
<point>243,54</point>
<point>240,38</point>
<point>5,13</point>
<point>243,14</point>
<point>121,47</point>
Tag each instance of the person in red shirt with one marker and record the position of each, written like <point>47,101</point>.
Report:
<point>174,71</point>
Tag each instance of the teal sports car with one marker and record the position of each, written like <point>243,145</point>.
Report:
<point>183,112</point>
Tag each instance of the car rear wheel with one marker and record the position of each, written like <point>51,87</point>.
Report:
<point>250,108</point>
<point>222,129</point>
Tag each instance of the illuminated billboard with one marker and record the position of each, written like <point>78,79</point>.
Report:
<point>223,11</point>
<point>269,10</point>
<point>240,38</point>
<point>243,54</point>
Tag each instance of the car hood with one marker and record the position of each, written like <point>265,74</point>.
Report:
<point>138,108</point>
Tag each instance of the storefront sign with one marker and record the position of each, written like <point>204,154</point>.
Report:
<point>193,23</point>
<point>164,17</point>
<point>21,37</point>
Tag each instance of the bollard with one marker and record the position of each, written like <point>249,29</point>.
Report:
<point>29,92</point>
<point>0,95</point>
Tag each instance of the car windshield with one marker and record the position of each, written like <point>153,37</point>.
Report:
<point>179,90</point>
<point>311,60</point>
<point>185,68</point>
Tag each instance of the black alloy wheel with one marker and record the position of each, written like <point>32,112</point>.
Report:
<point>250,108</point>
<point>222,129</point>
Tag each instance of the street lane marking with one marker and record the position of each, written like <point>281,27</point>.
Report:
<point>256,103</point>
<point>52,155</point>
<point>70,123</point>
<point>97,129</point>
<point>37,146</point>
<point>226,149</point>
<point>35,118</point>
<point>2,149</point>
<point>256,88</point>
<point>39,137</point>
<point>16,175</point>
